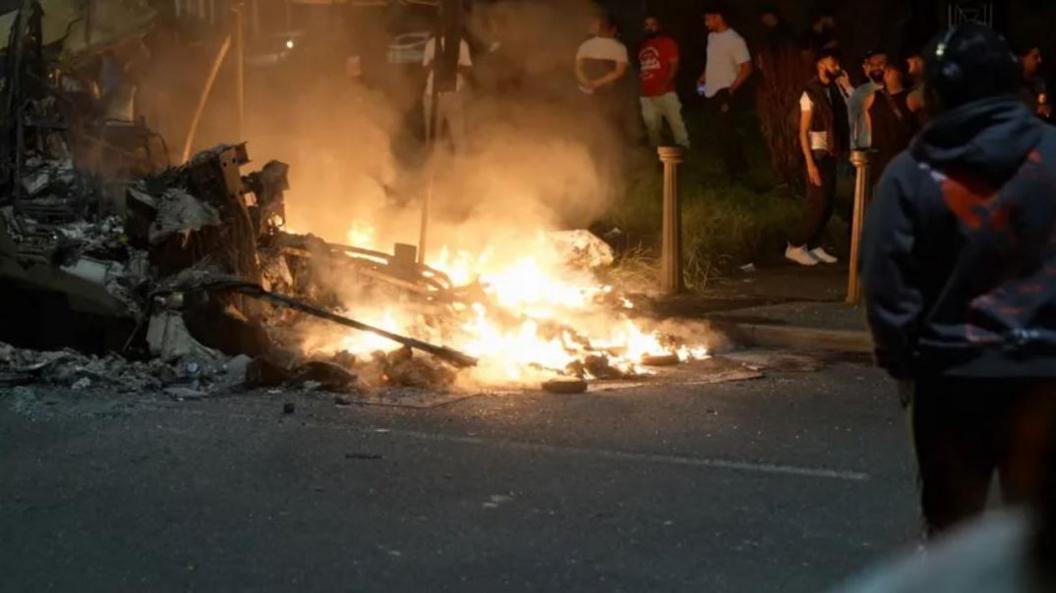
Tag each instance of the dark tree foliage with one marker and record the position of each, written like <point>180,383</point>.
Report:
<point>784,70</point>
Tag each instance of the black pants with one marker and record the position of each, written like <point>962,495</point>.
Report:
<point>821,199</point>
<point>966,429</point>
<point>721,107</point>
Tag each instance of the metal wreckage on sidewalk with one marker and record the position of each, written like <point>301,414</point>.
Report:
<point>181,276</point>
<point>122,271</point>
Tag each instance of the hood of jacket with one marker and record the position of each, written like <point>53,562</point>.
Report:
<point>992,137</point>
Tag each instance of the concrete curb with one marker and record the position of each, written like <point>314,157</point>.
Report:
<point>793,337</point>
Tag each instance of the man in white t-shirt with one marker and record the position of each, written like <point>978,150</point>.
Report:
<point>601,66</point>
<point>450,104</point>
<point>729,66</point>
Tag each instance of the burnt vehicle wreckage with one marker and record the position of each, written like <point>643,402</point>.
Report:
<point>188,265</point>
<point>121,269</point>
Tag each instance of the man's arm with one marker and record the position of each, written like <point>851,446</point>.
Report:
<point>915,100</point>
<point>743,58</point>
<point>465,60</point>
<point>858,114</point>
<point>674,61</point>
<point>428,53</point>
<point>742,75</point>
<point>611,77</point>
<point>805,116</point>
<point>581,76</point>
<point>893,297</point>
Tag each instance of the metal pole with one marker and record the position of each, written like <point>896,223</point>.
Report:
<point>671,254</point>
<point>240,70</point>
<point>254,10</point>
<point>204,98</point>
<point>860,160</point>
<point>431,134</point>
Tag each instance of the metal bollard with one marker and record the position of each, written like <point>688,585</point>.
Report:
<point>860,159</point>
<point>671,248</point>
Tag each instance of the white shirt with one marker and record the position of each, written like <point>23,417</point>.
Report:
<point>464,59</point>
<point>726,52</point>
<point>602,48</point>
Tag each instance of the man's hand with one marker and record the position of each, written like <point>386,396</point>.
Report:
<point>844,81</point>
<point>813,174</point>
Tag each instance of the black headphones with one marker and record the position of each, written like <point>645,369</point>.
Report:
<point>951,71</point>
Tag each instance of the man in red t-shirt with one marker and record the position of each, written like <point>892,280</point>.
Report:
<point>658,65</point>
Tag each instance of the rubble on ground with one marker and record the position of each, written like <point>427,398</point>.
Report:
<point>184,279</point>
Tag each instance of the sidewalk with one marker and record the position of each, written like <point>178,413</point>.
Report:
<point>783,306</point>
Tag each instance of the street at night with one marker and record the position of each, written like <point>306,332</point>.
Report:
<point>724,296</point>
<point>790,482</point>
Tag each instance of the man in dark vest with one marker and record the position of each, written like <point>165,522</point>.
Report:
<point>960,261</point>
<point>824,139</point>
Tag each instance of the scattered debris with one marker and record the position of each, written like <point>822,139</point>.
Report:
<point>661,360</point>
<point>68,368</point>
<point>182,279</point>
<point>768,360</point>
<point>583,249</point>
<point>565,386</point>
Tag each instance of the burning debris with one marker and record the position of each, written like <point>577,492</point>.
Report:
<point>186,277</point>
<point>199,269</point>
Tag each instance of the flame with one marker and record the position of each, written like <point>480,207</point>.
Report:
<point>540,316</point>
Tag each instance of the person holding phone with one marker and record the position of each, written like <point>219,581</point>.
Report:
<point>824,136</point>
<point>728,68</point>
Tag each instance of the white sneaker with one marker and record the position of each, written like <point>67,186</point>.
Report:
<point>800,255</point>
<point>823,256</point>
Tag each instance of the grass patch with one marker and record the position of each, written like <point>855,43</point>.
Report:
<point>724,224</point>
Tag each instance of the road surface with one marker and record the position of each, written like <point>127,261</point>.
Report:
<point>787,483</point>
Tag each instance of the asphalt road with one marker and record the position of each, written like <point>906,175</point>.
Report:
<point>788,483</point>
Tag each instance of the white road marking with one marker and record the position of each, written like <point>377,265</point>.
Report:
<point>611,454</point>
<point>748,466</point>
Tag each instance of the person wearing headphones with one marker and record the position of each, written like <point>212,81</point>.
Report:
<point>959,273</point>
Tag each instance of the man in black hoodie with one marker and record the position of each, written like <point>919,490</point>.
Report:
<point>960,273</point>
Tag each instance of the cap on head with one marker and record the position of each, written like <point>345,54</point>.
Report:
<point>968,63</point>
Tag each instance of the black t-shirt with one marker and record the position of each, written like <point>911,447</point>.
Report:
<point>892,127</point>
